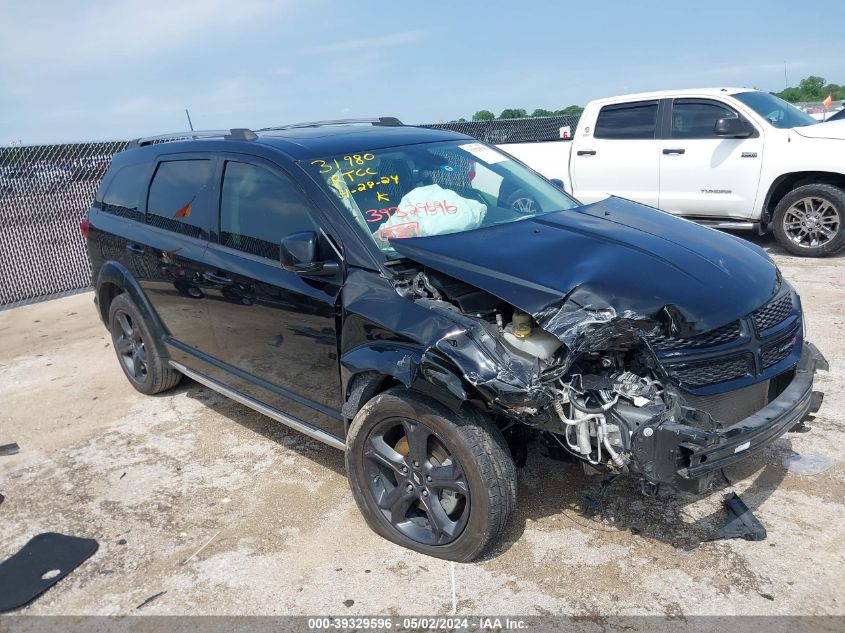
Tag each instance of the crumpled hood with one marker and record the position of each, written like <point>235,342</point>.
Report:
<point>612,254</point>
<point>829,130</point>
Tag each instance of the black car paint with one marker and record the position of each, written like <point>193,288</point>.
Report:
<point>248,324</point>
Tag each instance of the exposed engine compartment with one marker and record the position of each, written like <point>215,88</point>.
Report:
<point>584,378</point>
<point>589,402</point>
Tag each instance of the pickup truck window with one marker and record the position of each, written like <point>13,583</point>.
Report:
<point>695,118</point>
<point>775,110</point>
<point>636,120</point>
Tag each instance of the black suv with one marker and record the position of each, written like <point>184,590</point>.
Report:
<point>430,305</point>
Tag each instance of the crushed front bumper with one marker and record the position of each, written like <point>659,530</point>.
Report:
<point>685,456</point>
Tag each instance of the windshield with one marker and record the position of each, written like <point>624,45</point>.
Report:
<point>434,188</point>
<point>775,110</point>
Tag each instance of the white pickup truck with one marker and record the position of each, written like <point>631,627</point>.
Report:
<point>730,158</point>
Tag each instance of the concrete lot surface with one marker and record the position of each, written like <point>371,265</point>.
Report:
<point>153,479</point>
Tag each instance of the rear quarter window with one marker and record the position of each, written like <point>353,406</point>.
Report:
<point>124,190</point>
<point>179,199</point>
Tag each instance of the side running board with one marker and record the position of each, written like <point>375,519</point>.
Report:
<point>298,425</point>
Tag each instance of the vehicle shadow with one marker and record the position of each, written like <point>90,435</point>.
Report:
<point>552,488</point>
<point>256,422</point>
<point>768,243</point>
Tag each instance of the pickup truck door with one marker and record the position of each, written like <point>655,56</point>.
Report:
<point>702,174</point>
<point>621,156</point>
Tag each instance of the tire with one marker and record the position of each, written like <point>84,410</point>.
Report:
<point>138,356</point>
<point>466,453</point>
<point>521,201</point>
<point>807,207</point>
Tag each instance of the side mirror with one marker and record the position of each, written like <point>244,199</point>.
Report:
<point>557,182</point>
<point>733,128</point>
<point>299,255</point>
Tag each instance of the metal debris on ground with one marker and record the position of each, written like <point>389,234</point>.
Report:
<point>207,543</point>
<point>9,449</point>
<point>807,464</point>
<point>150,599</point>
<point>594,501</point>
<point>40,564</point>
<point>741,522</point>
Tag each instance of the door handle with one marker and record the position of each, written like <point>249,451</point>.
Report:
<point>135,248</point>
<point>674,151</point>
<point>586,152</point>
<point>214,278</point>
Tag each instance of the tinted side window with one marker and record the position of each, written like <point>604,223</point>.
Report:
<point>178,199</point>
<point>123,195</point>
<point>258,209</point>
<point>696,119</point>
<point>627,121</point>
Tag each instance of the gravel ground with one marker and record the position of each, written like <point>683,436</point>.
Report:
<point>155,478</point>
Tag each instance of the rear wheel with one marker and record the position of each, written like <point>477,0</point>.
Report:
<point>808,221</point>
<point>428,479</point>
<point>146,370</point>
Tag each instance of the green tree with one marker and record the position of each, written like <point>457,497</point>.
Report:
<point>542,112</point>
<point>483,115</point>
<point>811,87</point>
<point>513,113</point>
<point>573,110</point>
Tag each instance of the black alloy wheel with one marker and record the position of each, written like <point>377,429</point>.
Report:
<point>130,347</point>
<point>419,486</point>
<point>140,359</point>
<point>429,478</point>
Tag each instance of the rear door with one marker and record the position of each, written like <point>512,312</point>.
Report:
<point>277,330</point>
<point>167,255</point>
<point>702,174</point>
<point>621,156</point>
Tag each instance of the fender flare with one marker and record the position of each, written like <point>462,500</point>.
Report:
<point>366,368</point>
<point>115,273</point>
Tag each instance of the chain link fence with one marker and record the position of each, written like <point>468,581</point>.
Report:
<point>530,130</point>
<point>45,191</point>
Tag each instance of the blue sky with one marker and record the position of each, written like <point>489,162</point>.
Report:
<point>117,69</point>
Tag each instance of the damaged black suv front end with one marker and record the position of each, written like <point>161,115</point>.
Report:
<point>622,370</point>
<point>627,338</point>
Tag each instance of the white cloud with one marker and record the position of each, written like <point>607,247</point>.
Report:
<point>369,43</point>
<point>69,35</point>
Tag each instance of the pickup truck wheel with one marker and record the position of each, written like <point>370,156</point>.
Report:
<point>428,479</point>
<point>808,221</point>
<point>521,201</point>
<point>132,341</point>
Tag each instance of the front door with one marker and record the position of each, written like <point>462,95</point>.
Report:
<point>702,174</point>
<point>276,330</point>
<point>621,157</point>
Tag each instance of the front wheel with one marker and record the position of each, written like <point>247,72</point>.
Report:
<point>808,221</point>
<point>428,479</point>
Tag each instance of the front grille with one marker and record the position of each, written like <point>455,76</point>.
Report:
<point>718,336</point>
<point>774,353</point>
<point>712,371</point>
<point>732,406</point>
<point>773,313</point>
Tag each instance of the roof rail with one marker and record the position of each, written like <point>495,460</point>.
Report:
<point>234,134</point>
<point>386,121</point>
